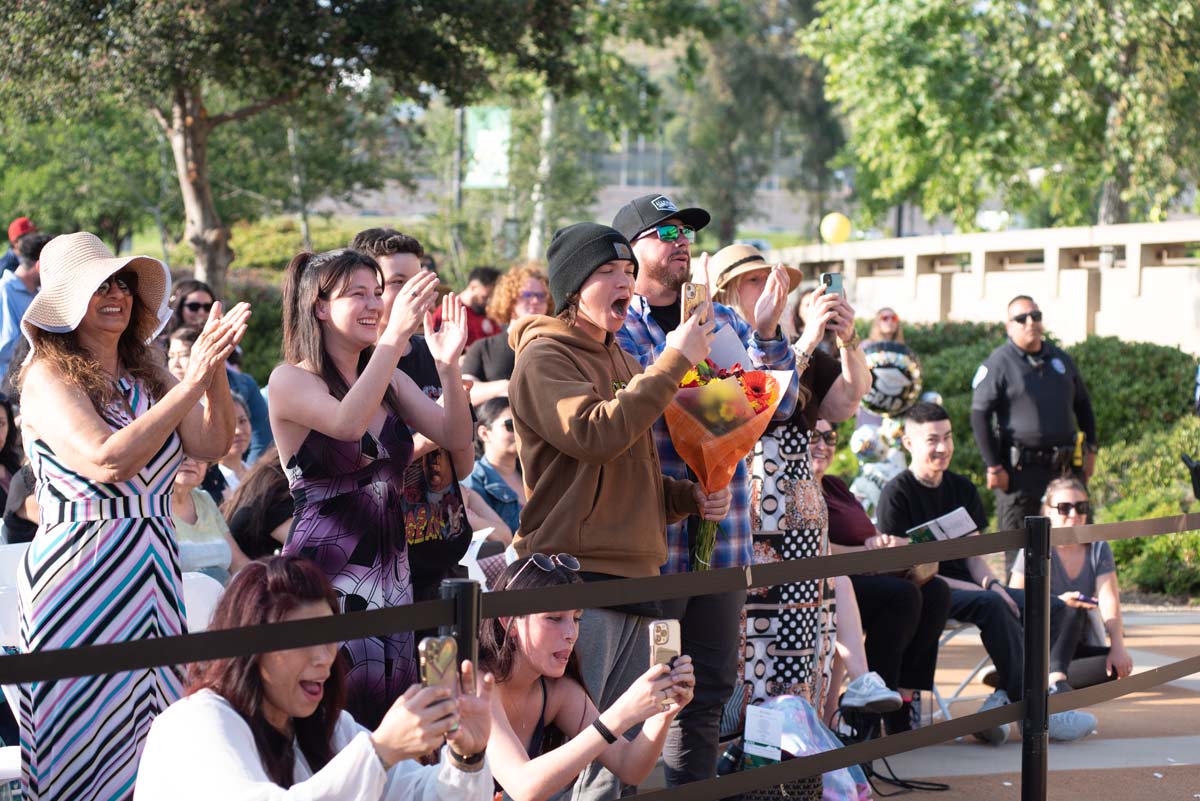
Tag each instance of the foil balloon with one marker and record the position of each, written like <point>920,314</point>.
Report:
<point>866,444</point>
<point>895,378</point>
<point>932,397</point>
<point>891,429</point>
<point>835,228</point>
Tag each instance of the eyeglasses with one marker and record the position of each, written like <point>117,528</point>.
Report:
<point>196,306</point>
<point>1081,508</point>
<point>1020,319</point>
<point>538,297</point>
<point>125,281</point>
<point>546,564</point>
<point>830,437</point>
<point>670,233</point>
<point>508,424</point>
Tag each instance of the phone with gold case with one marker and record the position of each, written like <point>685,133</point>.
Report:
<point>439,663</point>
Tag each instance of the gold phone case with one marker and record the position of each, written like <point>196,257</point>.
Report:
<point>439,658</point>
<point>692,295</point>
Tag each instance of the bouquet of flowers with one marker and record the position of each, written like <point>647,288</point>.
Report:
<point>714,421</point>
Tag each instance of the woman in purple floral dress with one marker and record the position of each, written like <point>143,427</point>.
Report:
<point>341,413</point>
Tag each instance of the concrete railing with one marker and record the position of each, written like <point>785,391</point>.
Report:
<point>1138,282</point>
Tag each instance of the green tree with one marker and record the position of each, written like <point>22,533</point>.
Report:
<point>755,102</point>
<point>107,171</point>
<point>1080,110</point>
<point>173,57</point>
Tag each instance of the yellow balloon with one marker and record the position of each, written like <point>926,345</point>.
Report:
<point>835,228</point>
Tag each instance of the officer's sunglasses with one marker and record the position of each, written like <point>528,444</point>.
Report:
<point>1020,319</point>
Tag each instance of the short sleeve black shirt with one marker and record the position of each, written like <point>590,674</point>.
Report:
<point>490,358</point>
<point>906,503</point>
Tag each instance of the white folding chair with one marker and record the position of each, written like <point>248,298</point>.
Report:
<point>952,630</point>
<point>200,596</point>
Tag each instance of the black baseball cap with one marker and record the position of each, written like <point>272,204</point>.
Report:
<point>643,213</point>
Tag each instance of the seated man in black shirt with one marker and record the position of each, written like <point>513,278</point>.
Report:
<point>928,490</point>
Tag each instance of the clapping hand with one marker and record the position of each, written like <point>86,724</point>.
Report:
<point>446,344</point>
<point>771,303</point>
<point>221,334</point>
<point>416,298</point>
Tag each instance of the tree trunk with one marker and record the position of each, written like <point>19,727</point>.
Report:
<point>537,225</point>
<point>188,132</point>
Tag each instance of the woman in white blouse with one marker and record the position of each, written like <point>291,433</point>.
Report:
<point>271,727</point>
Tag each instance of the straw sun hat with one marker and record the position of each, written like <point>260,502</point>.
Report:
<point>734,260</point>
<point>73,266</point>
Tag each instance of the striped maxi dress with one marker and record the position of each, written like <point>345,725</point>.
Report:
<point>102,568</point>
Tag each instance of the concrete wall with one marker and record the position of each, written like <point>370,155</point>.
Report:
<point>1145,288</point>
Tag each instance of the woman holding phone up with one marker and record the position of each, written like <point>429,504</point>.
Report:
<point>545,726</point>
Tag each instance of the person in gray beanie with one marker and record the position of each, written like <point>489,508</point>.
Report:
<point>582,413</point>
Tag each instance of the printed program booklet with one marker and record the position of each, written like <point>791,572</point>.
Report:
<point>949,526</point>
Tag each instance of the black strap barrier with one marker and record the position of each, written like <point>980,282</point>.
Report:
<point>1174,524</point>
<point>1035,734</point>
<point>101,659</point>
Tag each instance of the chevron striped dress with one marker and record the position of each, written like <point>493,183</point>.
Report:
<point>102,568</point>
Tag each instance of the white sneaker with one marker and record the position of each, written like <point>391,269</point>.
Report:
<point>869,693</point>
<point>1066,727</point>
<point>997,735</point>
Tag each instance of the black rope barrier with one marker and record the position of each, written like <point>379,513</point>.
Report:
<point>1129,529</point>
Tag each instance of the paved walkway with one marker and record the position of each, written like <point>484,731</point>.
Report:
<point>1146,745</point>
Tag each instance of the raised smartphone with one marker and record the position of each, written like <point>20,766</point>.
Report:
<point>439,663</point>
<point>690,297</point>
<point>833,283</point>
<point>665,642</point>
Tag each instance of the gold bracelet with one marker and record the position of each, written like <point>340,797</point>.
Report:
<point>802,361</point>
<point>852,342</point>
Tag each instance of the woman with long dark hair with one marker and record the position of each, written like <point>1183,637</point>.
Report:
<point>342,413</point>
<point>545,726</point>
<point>272,726</point>
<point>106,428</point>
<point>260,511</point>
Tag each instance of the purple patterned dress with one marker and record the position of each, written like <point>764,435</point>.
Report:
<point>350,521</point>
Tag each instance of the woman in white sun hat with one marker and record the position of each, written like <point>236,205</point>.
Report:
<point>106,427</point>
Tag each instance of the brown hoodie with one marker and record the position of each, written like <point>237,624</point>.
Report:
<point>582,412</point>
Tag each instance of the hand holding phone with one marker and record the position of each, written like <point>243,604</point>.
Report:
<point>439,663</point>
<point>691,296</point>
<point>833,284</point>
<point>665,642</point>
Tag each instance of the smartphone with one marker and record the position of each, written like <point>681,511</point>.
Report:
<point>439,663</point>
<point>833,283</point>
<point>665,642</point>
<point>691,296</point>
<point>1087,599</point>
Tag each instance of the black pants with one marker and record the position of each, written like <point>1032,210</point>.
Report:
<point>1001,631</point>
<point>1069,648</point>
<point>902,623</point>
<point>710,628</point>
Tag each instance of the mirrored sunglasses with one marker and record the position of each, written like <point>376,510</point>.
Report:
<point>671,233</point>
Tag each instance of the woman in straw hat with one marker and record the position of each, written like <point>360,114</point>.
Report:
<point>790,628</point>
<point>342,413</point>
<point>106,426</point>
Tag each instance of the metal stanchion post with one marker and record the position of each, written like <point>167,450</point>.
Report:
<point>1035,740</point>
<point>465,628</point>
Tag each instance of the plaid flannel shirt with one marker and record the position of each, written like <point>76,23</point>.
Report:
<point>643,338</point>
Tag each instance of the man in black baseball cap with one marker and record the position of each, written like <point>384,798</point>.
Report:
<point>661,235</point>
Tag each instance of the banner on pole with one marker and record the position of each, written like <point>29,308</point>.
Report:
<point>489,130</point>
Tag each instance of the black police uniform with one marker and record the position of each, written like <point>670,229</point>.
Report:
<point>1039,402</point>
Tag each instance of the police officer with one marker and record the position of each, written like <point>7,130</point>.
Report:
<point>1040,405</point>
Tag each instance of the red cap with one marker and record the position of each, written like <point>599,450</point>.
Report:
<point>19,227</point>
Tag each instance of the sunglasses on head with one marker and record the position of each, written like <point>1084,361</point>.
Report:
<point>197,306</point>
<point>1020,319</point>
<point>830,437</point>
<point>671,233</point>
<point>126,281</point>
<point>1081,508</point>
<point>547,564</point>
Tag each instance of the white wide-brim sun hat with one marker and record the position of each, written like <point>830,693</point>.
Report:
<point>73,266</point>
